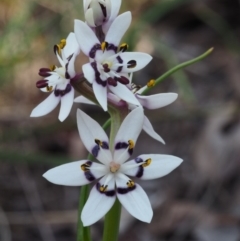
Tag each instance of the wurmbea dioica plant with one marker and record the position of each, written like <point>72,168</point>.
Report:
<point>106,80</point>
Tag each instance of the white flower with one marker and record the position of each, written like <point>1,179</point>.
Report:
<point>113,169</point>
<point>108,69</point>
<point>101,12</point>
<point>57,80</point>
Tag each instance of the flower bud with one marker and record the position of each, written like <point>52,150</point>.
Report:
<point>97,11</point>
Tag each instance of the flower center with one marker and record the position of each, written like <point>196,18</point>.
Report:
<point>114,167</point>
<point>106,66</point>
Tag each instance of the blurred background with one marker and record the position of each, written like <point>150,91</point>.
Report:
<point>200,201</point>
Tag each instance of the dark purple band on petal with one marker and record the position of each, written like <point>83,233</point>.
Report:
<point>120,61</point>
<point>67,75</point>
<point>100,144</point>
<point>89,176</point>
<point>93,50</point>
<point>109,193</point>
<point>124,190</point>
<point>112,47</point>
<point>140,168</point>
<point>104,10</point>
<point>97,75</point>
<point>58,92</point>
<point>95,150</point>
<point>121,145</point>
<point>105,145</point>
<point>124,145</point>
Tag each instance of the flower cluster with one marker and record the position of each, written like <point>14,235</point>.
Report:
<point>108,74</point>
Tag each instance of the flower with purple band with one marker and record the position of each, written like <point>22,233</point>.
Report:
<point>58,80</point>
<point>111,174</point>
<point>109,65</point>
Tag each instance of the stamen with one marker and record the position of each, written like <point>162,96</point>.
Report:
<point>103,188</point>
<point>131,144</point>
<point>135,88</point>
<point>151,83</point>
<point>98,142</point>
<point>106,68</point>
<point>60,46</point>
<point>62,43</point>
<point>114,167</point>
<point>104,45</point>
<point>49,88</point>
<point>85,167</point>
<point>132,64</point>
<point>123,47</point>
<point>53,67</point>
<point>102,144</point>
<point>147,162</point>
<point>130,183</point>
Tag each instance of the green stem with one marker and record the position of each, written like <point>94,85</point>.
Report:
<point>178,67</point>
<point>112,218</point>
<point>111,223</point>
<point>83,233</point>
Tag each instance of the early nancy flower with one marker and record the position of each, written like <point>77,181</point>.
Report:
<point>109,64</point>
<point>101,12</point>
<point>111,174</point>
<point>57,80</point>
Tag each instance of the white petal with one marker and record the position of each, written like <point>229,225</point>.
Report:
<point>100,94</point>
<point>129,130</point>
<point>88,72</point>
<point>85,36</point>
<point>86,4</point>
<point>124,93</point>
<point>115,99</point>
<point>84,100</point>
<point>134,199</point>
<point>70,68</point>
<point>98,203</point>
<point>89,17</point>
<point>115,6</point>
<point>142,60</point>
<point>66,105</point>
<point>148,128</point>
<point>157,101</point>
<point>46,106</point>
<point>71,174</point>
<point>72,46</point>
<point>160,166</point>
<point>89,130</point>
<point>118,28</point>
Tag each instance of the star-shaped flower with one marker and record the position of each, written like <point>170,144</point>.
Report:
<point>111,174</point>
<point>109,65</point>
<point>101,12</point>
<point>57,80</point>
